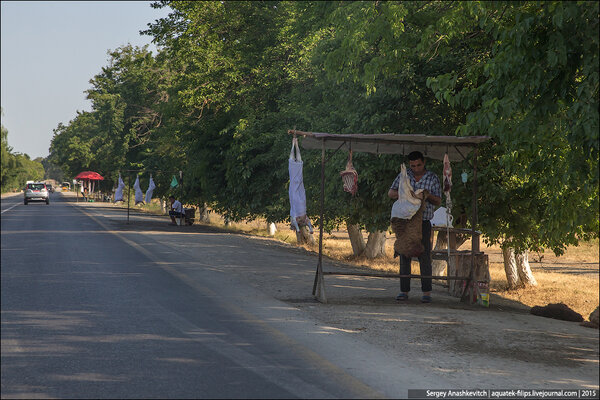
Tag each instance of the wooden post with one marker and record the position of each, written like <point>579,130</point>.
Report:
<point>475,237</point>
<point>319,283</point>
<point>480,272</point>
<point>181,218</point>
<point>474,234</point>
<point>451,263</point>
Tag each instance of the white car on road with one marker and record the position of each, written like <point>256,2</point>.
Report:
<point>36,191</point>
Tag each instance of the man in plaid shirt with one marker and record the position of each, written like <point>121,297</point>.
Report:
<point>420,178</point>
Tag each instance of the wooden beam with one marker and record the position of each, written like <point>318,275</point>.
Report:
<point>375,274</point>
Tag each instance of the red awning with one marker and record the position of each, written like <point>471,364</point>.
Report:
<point>91,175</point>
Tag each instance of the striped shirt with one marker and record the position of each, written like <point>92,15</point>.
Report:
<point>429,181</point>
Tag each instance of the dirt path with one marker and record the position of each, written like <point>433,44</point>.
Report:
<point>472,347</point>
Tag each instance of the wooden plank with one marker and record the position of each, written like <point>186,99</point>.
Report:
<point>374,274</point>
<point>443,254</point>
<point>454,230</point>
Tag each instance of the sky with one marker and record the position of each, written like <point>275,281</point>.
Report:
<point>49,52</point>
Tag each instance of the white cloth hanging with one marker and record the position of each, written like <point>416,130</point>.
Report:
<point>407,204</point>
<point>442,217</point>
<point>151,187</point>
<point>139,195</point>
<point>119,191</point>
<point>296,189</point>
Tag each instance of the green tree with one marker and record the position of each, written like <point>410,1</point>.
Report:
<point>51,171</point>
<point>117,135</point>
<point>534,90</point>
<point>17,168</point>
<point>247,93</point>
<point>226,64</point>
<point>8,160</point>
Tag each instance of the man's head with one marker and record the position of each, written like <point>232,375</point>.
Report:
<point>171,199</point>
<point>416,161</point>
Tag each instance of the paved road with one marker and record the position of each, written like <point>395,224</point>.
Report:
<point>94,309</point>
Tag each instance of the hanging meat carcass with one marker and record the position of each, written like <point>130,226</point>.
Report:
<point>298,217</point>
<point>119,190</point>
<point>350,177</point>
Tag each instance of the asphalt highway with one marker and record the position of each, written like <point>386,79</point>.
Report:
<point>93,312</point>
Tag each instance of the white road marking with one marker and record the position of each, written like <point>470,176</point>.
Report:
<point>9,208</point>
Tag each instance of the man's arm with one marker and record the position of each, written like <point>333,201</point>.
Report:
<point>435,192</point>
<point>393,194</point>
<point>435,200</point>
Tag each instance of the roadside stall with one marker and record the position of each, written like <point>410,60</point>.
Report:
<point>88,180</point>
<point>467,269</point>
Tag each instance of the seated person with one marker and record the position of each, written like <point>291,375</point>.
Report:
<point>176,210</point>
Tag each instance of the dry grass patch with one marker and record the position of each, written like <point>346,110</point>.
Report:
<point>579,292</point>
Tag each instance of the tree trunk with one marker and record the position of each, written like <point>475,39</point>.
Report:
<point>510,267</point>
<point>203,213</point>
<point>303,236</point>
<point>441,243</point>
<point>272,229</point>
<point>375,245</point>
<point>524,270</point>
<point>356,239</point>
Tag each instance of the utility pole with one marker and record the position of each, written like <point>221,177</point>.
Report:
<point>181,195</point>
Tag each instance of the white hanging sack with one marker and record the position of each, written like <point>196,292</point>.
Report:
<point>441,217</point>
<point>139,195</point>
<point>119,191</point>
<point>407,204</point>
<point>151,187</point>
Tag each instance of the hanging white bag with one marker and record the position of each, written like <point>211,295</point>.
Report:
<point>441,217</point>
<point>119,191</point>
<point>407,204</point>
<point>151,187</point>
<point>297,194</point>
<point>139,195</point>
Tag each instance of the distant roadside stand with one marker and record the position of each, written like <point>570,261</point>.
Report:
<point>467,269</point>
<point>88,181</point>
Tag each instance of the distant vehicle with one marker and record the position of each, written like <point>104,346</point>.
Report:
<point>65,186</point>
<point>36,192</point>
<point>50,188</point>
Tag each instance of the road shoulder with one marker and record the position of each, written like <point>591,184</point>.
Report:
<point>466,346</point>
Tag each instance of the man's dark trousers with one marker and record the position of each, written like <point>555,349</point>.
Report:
<point>424,262</point>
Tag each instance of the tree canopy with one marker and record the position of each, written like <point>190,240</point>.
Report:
<point>16,168</point>
<point>230,78</point>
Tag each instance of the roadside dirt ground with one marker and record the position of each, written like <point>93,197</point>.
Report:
<point>500,347</point>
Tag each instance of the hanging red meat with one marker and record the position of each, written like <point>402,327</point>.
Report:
<point>447,174</point>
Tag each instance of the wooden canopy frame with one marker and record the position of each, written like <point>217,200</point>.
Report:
<point>431,146</point>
